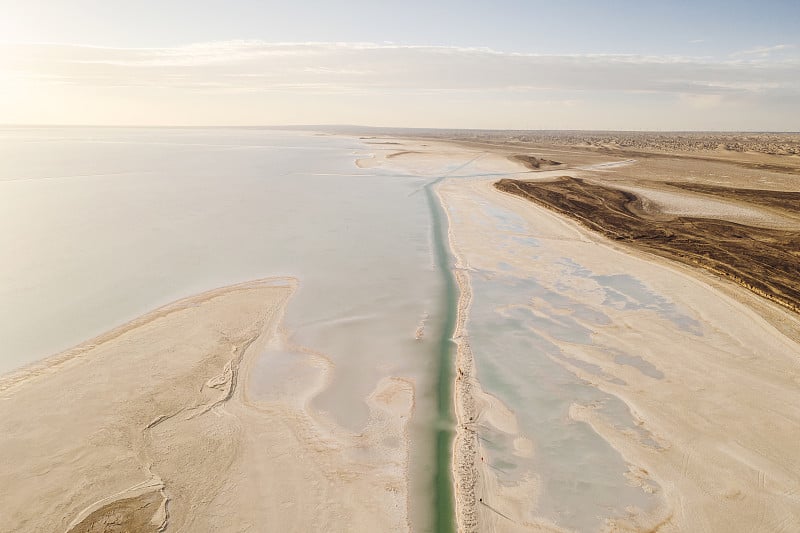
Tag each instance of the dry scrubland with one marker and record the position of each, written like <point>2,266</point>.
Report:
<point>663,142</point>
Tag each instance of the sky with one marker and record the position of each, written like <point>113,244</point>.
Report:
<point>624,65</point>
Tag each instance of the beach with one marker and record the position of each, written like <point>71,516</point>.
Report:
<point>445,355</point>
<point>152,427</point>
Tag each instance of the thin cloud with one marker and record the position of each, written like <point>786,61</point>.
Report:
<point>255,82</point>
<point>763,51</point>
<point>256,65</point>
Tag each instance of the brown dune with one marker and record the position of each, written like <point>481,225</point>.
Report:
<point>534,163</point>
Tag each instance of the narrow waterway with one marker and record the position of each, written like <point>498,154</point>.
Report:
<point>444,428</point>
<point>445,510</point>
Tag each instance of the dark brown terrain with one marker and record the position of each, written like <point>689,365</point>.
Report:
<point>765,260</point>
<point>534,163</point>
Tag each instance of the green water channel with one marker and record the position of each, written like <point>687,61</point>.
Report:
<point>444,520</point>
<point>444,500</point>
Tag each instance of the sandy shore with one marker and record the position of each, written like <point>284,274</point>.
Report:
<point>153,427</point>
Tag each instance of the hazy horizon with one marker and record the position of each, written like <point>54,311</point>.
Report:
<point>339,128</point>
<point>514,65</point>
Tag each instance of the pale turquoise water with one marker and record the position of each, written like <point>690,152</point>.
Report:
<point>582,476</point>
<point>98,226</point>
<point>520,325</point>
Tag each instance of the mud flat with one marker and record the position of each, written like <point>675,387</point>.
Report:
<point>151,427</point>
